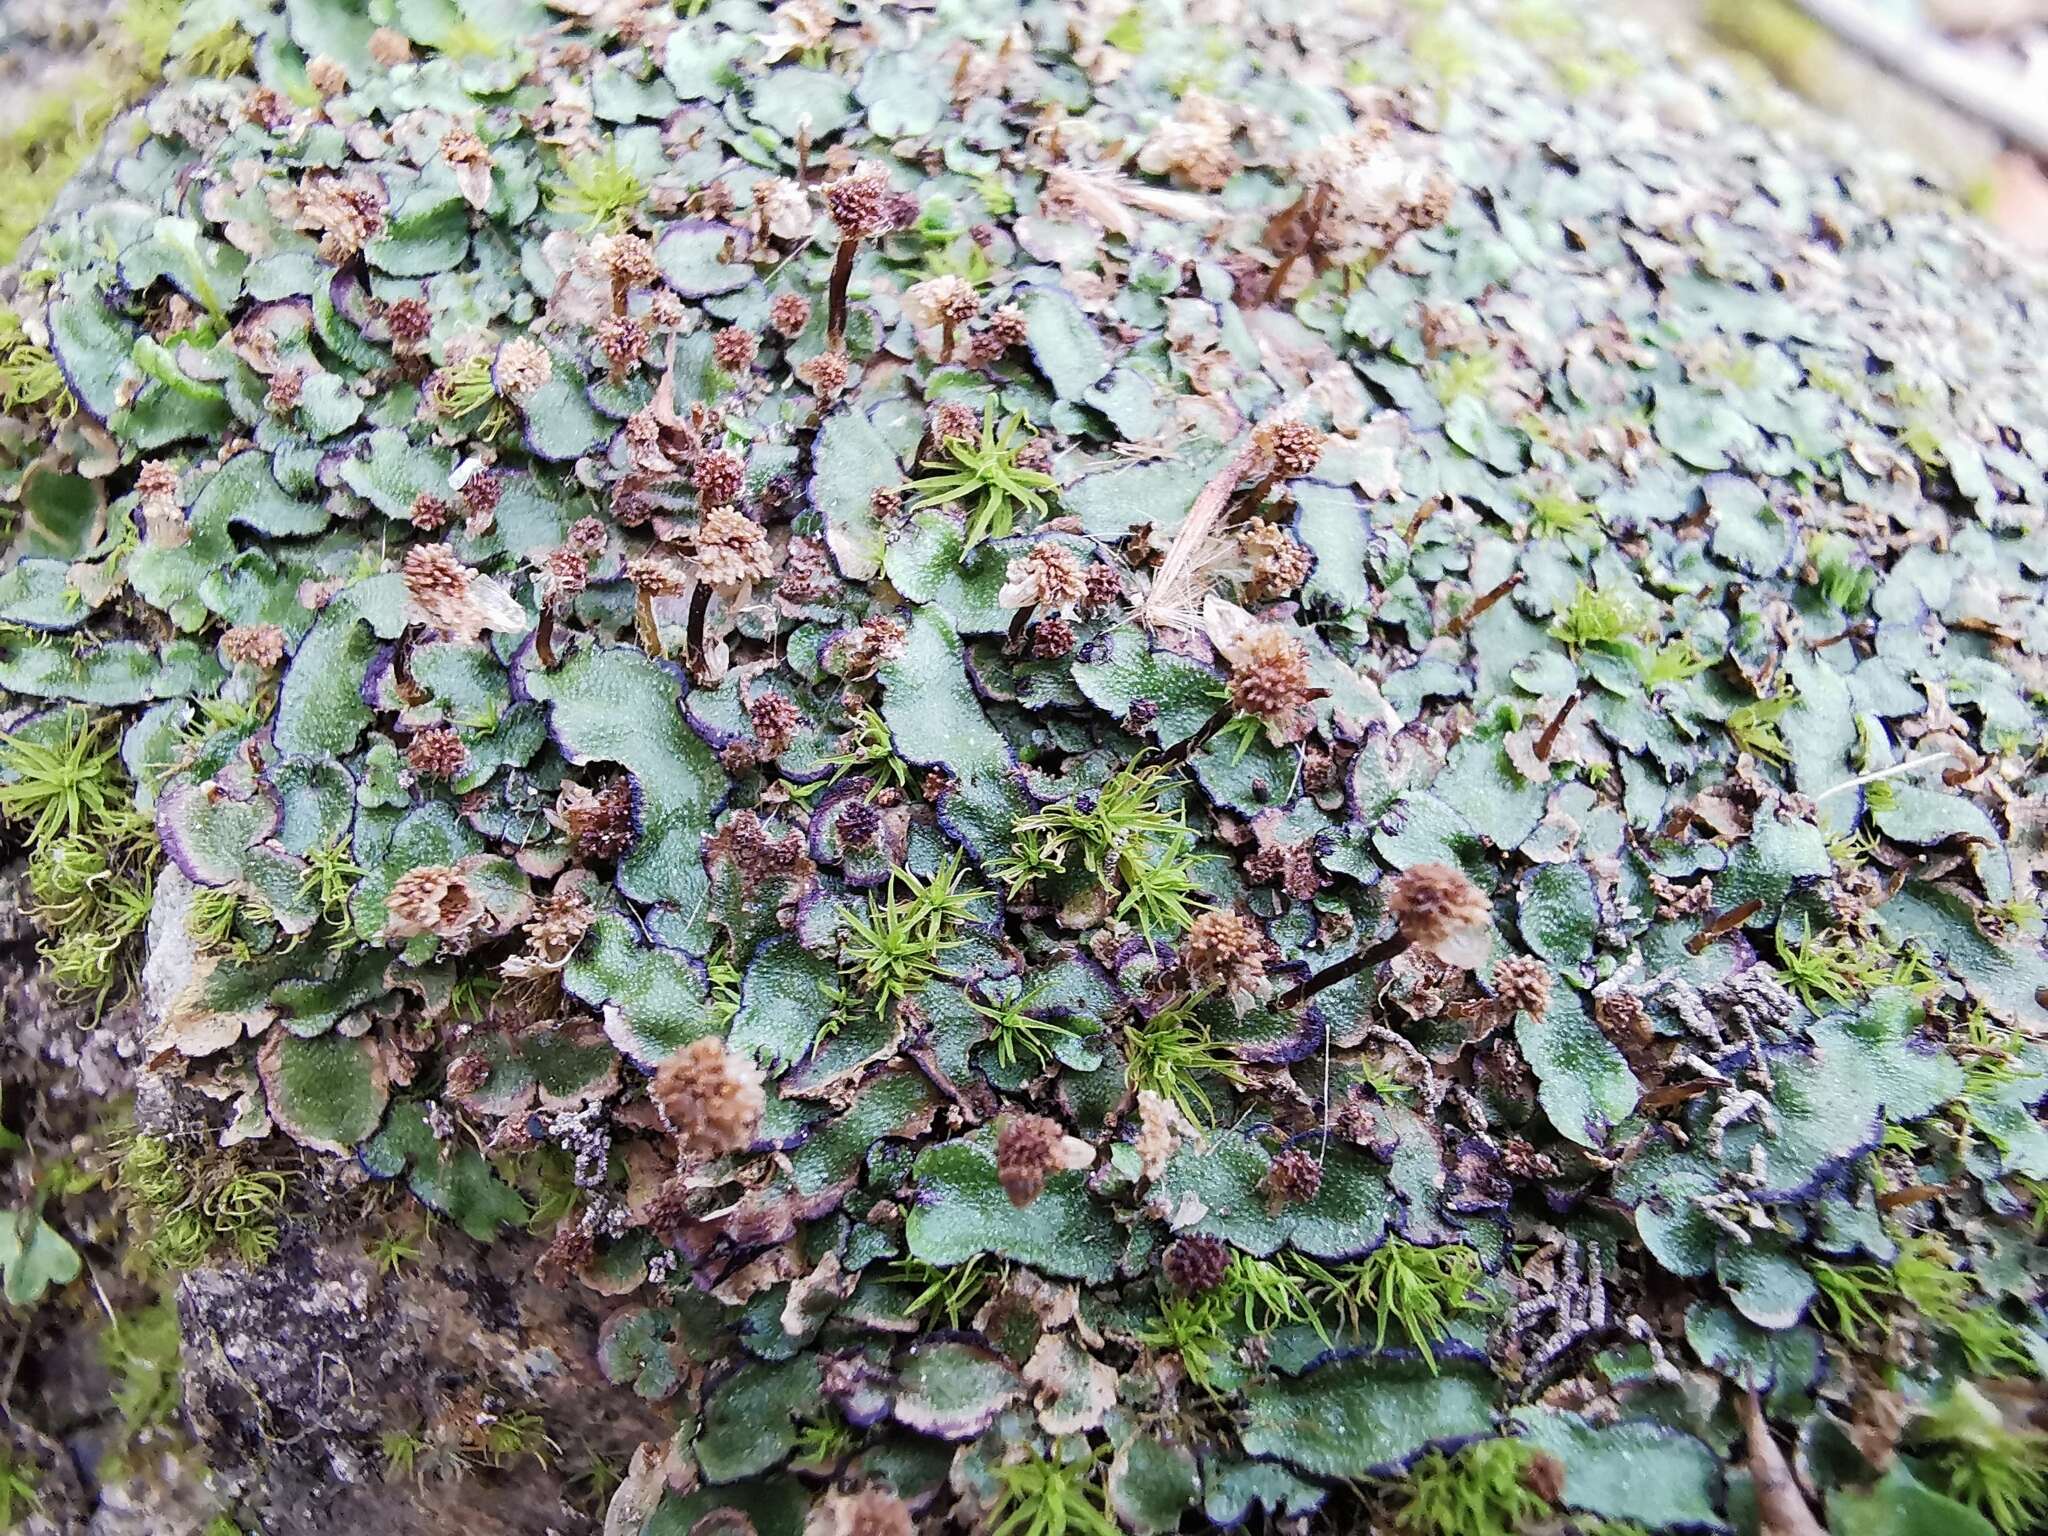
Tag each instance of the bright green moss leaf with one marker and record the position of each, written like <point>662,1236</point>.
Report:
<point>560,422</point>
<point>953,1389</point>
<point>2012,975</point>
<point>1863,1070</point>
<point>1768,1285</point>
<point>1232,1490</point>
<point>392,473</point>
<point>1063,342</point>
<point>1559,913</point>
<point>1152,1482</point>
<point>34,1257</point>
<point>1778,855</point>
<point>785,1000</point>
<point>1491,792</point>
<point>1110,502</point>
<point>427,232</point>
<point>1899,1504</point>
<point>1334,523</point>
<point>1661,1183</point>
<point>655,1000</point>
<point>635,1348</point>
<point>1126,668</point>
<point>928,564</point>
<point>321,708</point>
<point>92,344</point>
<point>1585,1085</point>
<point>771,1506</point>
<point>1748,533</point>
<point>114,675</point>
<point>850,462</point>
<point>59,515</point>
<point>1750,1356</point>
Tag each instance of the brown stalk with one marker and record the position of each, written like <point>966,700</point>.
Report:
<point>1351,965</point>
<point>1487,599</point>
<point>1781,1508</point>
<point>544,638</point>
<point>835,295</point>
<point>693,634</point>
<point>1252,500</point>
<point>409,692</point>
<point>1186,748</point>
<point>1727,922</point>
<point>1548,739</point>
<point>643,622</point>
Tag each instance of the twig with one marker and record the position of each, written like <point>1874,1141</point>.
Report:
<point>1996,97</point>
<point>1781,1508</point>
<point>1174,601</point>
<point>1548,740</point>
<point>1884,773</point>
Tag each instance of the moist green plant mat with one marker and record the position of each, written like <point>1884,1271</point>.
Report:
<point>1139,767</point>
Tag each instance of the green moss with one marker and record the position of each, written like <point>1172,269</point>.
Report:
<point>64,126</point>
<point>518,1434</point>
<point>20,1483</point>
<point>1052,1496</point>
<point>1974,1457</point>
<point>1401,1289</point>
<point>141,1351</point>
<point>1482,1490</point>
<point>985,477</point>
<point>1137,846</point>
<point>403,1451</point>
<point>92,855</point>
<point>224,52</point>
<point>1754,726</point>
<point>954,1292</point>
<point>896,946</point>
<point>30,379</point>
<point>1841,967</point>
<point>188,1207</point>
<point>1661,380</point>
<point>1593,617</point>
<point>868,748</point>
<point>1864,1301</point>
<point>1172,1053</point>
<point>1778,34</point>
<point>602,190</point>
<point>1017,1034</point>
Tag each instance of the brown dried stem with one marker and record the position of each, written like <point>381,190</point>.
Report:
<point>1548,739</point>
<point>693,634</point>
<point>835,295</point>
<point>1487,599</point>
<point>1351,965</point>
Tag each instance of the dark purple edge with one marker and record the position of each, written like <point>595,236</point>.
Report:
<point>953,1430</point>
<point>743,244</point>
<point>174,846</point>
